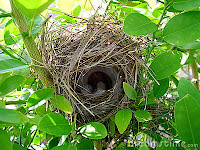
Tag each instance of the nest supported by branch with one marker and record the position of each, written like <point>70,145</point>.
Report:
<point>88,62</point>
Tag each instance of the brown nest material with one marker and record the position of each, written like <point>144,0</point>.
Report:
<point>88,62</point>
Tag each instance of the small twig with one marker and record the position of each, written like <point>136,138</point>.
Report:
<point>14,52</point>
<point>70,15</point>
<point>32,138</point>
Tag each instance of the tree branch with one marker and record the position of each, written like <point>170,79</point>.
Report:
<point>31,46</point>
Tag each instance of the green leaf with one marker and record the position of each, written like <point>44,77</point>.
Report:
<point>138,24</point>
<point>93,130</point>
<point>34,119</point>
<point>160,90</point>
<point>22,117</point>
<point>143,146</point>
<point>11,33</point>
<point>183,28</point>
<point>41,111</point>
<point>175,80</point>
<point>54,142</point>
<point>62,103</point>
<point>112,127</point>
<point>186,4</point>
<point>5,141</point>
<point>55,124</point>
<point>187,112</point>
<point>10,65</point>
<point>122,119</point>
<point>185,87</point>
<point>37,26</point>
<point>85,144</point>
<point>39,95</point>
<point>166,64</point>
<point>10,84</point>
<point>142,115</point>
<point>18,147</point>
<point>12,116</point>
<point>130,91</point>
<point>63,147</point>
<point>32,8</point>
<point>77,10</point>
<point>2,104</point>
<point>165,144</point>
<point>193,45</point>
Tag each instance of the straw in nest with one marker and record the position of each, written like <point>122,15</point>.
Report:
<point>88,62</point>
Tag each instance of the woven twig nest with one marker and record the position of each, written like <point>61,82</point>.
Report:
<point>88,62</point>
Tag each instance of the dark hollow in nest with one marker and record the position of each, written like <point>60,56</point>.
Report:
<point>89,62</point>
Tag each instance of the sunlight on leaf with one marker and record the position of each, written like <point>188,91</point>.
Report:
<point>39,95</point>
<point>55,124</point>
<point>93,130</point>
<point>32,8</point>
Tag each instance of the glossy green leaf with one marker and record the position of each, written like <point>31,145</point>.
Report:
<point>3,77</point>
<point>42,110</point>
<point>39,95</point>
<point>138,24</point>
<point>183,28</point>
<point>175,80</point>
<point>35,119</point>
<point>55,124</point>
<point>130,91</point>
<point>11,33</point>
<point>22,117</point>
<point>54,142</point>
<point>185,87</point>
<point>165,144</point>
<point>32,8</point>
<point>93,130</point>
<point>77,10</point>
<point>85,144</point>
<point>2,104</point>
<point>187,112</point>
<point>193,45</point>
<point>62,103</point>
<point>5,141</point>
<point>166,64</point>
<point>122,119</point>
<point>12,116</point>
<point>142,115</point>
<point>160,90</point>
<point>186,4</point>
<point>10,84</point>
<point>10,65</point>
<point>18,147</point>
<point>143,146</point>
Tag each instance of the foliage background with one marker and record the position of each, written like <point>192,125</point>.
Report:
<point>25,89</point>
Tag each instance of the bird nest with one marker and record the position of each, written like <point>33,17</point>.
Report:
<point>88,62</point>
